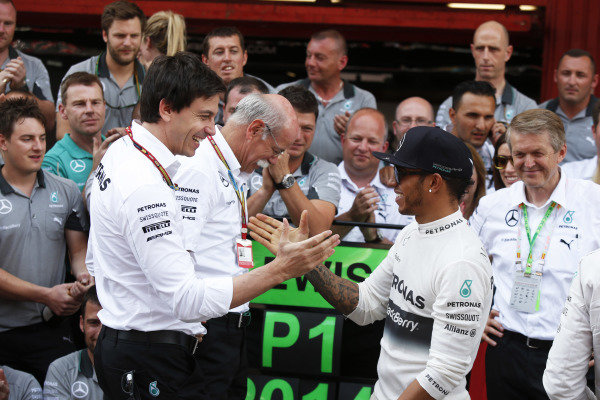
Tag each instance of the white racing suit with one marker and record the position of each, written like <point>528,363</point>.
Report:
<point>434,289</point>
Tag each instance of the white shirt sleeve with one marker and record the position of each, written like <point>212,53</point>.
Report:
<point>158,248</point>
<point>571,350</point>
<point>461,305</point>
<point>374,293</point>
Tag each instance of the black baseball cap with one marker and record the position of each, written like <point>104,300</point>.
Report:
<point>432,149</point>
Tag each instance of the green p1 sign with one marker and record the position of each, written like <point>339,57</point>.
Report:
<point>354,263</point>
<point>302,342</point>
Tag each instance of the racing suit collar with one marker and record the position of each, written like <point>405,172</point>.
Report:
<point>442,225</point>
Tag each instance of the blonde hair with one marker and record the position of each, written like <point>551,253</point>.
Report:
<point>166,31</point>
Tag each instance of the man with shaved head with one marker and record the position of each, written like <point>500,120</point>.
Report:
<point>411,112</point>
<point>326,57</point>
<point>491,51</point>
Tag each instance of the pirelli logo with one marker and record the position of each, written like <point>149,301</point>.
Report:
<point>157,225</point>
<point>188,209</point>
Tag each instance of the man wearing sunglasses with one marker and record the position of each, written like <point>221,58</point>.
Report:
<point>117,67</point>
<point>536,231</point>
<point>433,289</point>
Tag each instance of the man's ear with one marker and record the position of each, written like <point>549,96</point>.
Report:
<point>3,140</point>
<point>165,110</point>
<point>104,36</point>
<point>255,129</point>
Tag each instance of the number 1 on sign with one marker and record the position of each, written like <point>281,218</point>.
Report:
<point>327,329</point>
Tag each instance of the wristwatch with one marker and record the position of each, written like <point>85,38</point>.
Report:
<point>286,183</point>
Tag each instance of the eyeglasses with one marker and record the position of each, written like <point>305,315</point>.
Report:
<point>407,121</point>
<point>278,151</point>
<point>400,173</point>
<point>500,162</point>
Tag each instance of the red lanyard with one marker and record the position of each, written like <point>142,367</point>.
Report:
<point>240,194</point>
<point>157,164</point>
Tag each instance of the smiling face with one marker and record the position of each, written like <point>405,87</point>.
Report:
<point>24,150</point>
<point>226,57</point>
<point>473,119</point>
<point>8,22</point>
<point>507,174</point>
<point>535,161</point>
<point>575,80</point>
<point>123,40</point>
<point>307,122</point>
<point>409,194</point>
<point>324,60</point>
<point>84,109</point>
<point>192,124</point>
<point>90,325</point>
<point>365,134</point>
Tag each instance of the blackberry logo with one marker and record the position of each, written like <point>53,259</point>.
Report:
<point>188,209</point>
<point>155,226</point>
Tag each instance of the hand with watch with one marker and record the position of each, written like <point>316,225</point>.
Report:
<point>280,172</point>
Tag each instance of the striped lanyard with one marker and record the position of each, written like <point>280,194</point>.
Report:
<point>240,194</point>
<point>157,164</point>
<point>531,240</point>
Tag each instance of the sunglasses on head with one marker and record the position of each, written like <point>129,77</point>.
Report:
<point>403,172</point>
<point>500,162</point>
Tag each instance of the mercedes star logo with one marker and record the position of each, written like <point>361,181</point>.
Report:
<point>77,165</point>
<point>79,389</point>
<point>5,206</point>
<point>512,217</point>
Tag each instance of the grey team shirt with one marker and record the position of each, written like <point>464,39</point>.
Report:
<point>72,377</point>
<point>32,239</point>
<point>511,103</point>
<point>317,178</point>
<point>22,385</point>
<point>36,78</point>
<point>326,143</point>
<point>580,142</point>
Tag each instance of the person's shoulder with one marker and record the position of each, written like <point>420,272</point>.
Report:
<point>544,104</point>
<point>58,181</point>
<point>31,59</point>
<point>66,363</point>
<point>17,377</point>
<point>363,93</point>
<point>499,198</point>
<point>284,85</point>
<point>58,149</point>
<point>87,65</point>
<point>325,166</point>
<point>583,191</point>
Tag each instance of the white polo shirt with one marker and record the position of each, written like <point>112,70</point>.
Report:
<point>144,276</point>
<point>212,216</point>
<point>387,211</point>
<point>581,169</point>
<point>574,229</point>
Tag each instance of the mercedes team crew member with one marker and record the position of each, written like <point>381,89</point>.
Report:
<point>434,288</point>
<point>152,300</point>
<point>215,218</point>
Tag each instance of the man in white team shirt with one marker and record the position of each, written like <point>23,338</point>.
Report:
<point>434,287</point>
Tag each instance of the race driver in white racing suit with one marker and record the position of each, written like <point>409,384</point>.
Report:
<point>434,288</point>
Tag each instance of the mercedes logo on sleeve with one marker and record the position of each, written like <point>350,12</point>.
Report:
<point>512,217</point>
<point>5,206</point>
<point>77,165</point>
<point>79,389</point>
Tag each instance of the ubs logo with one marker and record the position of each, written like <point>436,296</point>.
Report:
<point>512,217</point>
<point>5,206</point>
<point>77,165</point>
<point>79,389</point>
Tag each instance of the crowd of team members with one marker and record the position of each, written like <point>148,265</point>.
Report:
<point>327,169</point>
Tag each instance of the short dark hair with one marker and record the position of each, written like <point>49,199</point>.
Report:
<point>222,31</point>
<point>301,99</point>
<point>91,296</point>
<point>457,187</point>
<point>332,34</point>
<point>121,10</point>
<point>78,78</point>
<point>15,110</point>
<point>478,88</point>
<point>246,84</point>
<point>179,79</point>
<point>577,53</point>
